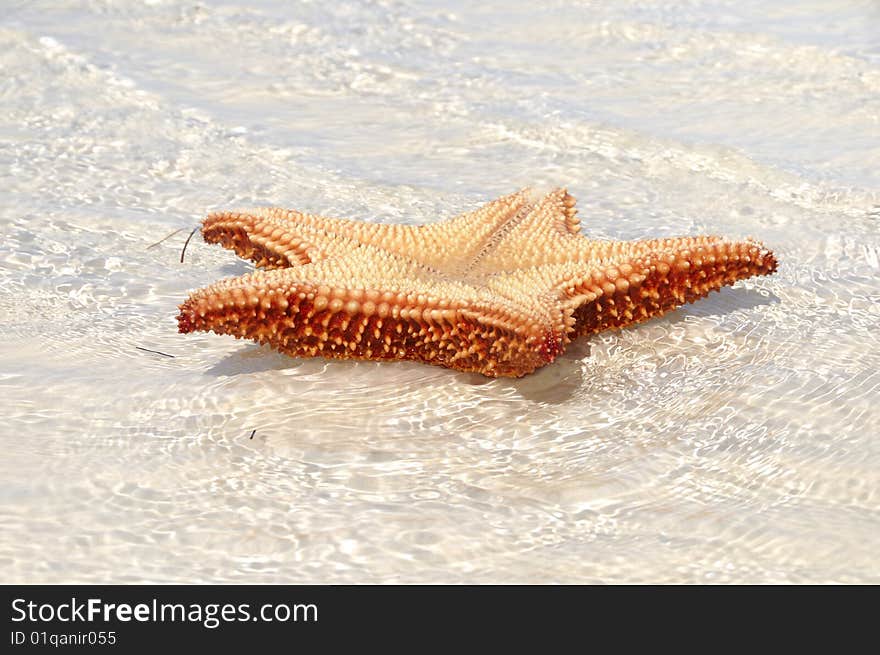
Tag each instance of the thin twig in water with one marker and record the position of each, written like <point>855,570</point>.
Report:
<point>158,352</point>
<point>165,238</point>
<point>186,243</point>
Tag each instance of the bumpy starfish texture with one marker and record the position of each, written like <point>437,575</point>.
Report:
<point>500,290</point>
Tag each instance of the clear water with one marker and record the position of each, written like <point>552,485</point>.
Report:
<point>733,440</point>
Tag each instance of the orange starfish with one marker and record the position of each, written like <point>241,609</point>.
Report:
<point>500,290</point>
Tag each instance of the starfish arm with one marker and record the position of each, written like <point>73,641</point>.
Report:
<point>279,238</point>
<point>638,280</point>
<point>504,229</point>
<point>341,308</point>
<point>584,249</point>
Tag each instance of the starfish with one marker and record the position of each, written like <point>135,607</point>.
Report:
<point>500,290</point>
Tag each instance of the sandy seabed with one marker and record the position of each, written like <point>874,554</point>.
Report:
<point>735,440</point>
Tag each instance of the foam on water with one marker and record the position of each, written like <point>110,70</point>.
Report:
<point>732,440</point>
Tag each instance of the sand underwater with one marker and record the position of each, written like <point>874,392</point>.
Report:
<point>733,440</point>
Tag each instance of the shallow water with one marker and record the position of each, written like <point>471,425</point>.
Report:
<point>733,440</point>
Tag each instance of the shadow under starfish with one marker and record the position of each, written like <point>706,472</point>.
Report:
<point>499,291</point>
